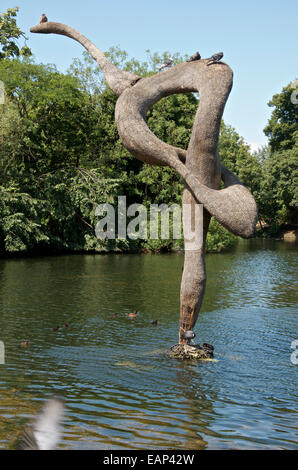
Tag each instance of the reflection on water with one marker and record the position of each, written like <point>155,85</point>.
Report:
<point>121,391</point>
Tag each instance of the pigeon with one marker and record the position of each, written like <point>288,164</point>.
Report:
<point>167,63</point>
<point>188,335</point>
<point>43,19</point>
<point>195,56</point>
<point>215,58</point>
<point>45,432</point>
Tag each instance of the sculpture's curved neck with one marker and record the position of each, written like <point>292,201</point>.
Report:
<point>117,79</point>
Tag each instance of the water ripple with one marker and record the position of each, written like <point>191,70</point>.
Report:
<point>120,389</point>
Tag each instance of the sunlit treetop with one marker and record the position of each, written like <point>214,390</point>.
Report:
<point>10,33</point>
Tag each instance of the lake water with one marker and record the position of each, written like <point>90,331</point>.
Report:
<point>120,390</point>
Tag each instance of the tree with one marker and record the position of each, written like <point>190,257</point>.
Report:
<point>9,35</point>
<point>282,127</point>
<point>236,156</point>
<point>278,198</point>
<point>54,115</point>
<point>279,188</point>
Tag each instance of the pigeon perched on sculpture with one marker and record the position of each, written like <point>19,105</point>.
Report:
<point>167,63</point>
<point>215,58</point>
<point>43,19</point>
<point>196,56</point>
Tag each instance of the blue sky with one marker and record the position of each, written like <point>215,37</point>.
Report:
<point>258,38</point>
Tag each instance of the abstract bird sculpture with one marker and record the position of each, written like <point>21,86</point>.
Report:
<point>199,166</point>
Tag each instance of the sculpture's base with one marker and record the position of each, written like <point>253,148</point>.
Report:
<point>191,351</point>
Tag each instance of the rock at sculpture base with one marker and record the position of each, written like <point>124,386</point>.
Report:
<point>191,351</point>
<point>290,236</point>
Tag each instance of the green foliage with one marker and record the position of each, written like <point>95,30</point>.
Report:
<point>57,214</point>
<point>171,119</point>
<point>279,189</point>
<point>283,125</point>
<point>235,155</point>
<point>218,238</point>
<point>278,195</point>
<point>52,111</point>
<point>120,58</point>
<point>20,229</point>
<point>9,34</point>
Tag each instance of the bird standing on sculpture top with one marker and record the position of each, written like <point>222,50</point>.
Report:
<point>43,19</point>
<point>167,63</point>
<point>195,56</point>
<point>215,58</point>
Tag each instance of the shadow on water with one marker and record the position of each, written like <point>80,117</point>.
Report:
<point>121,391</point>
